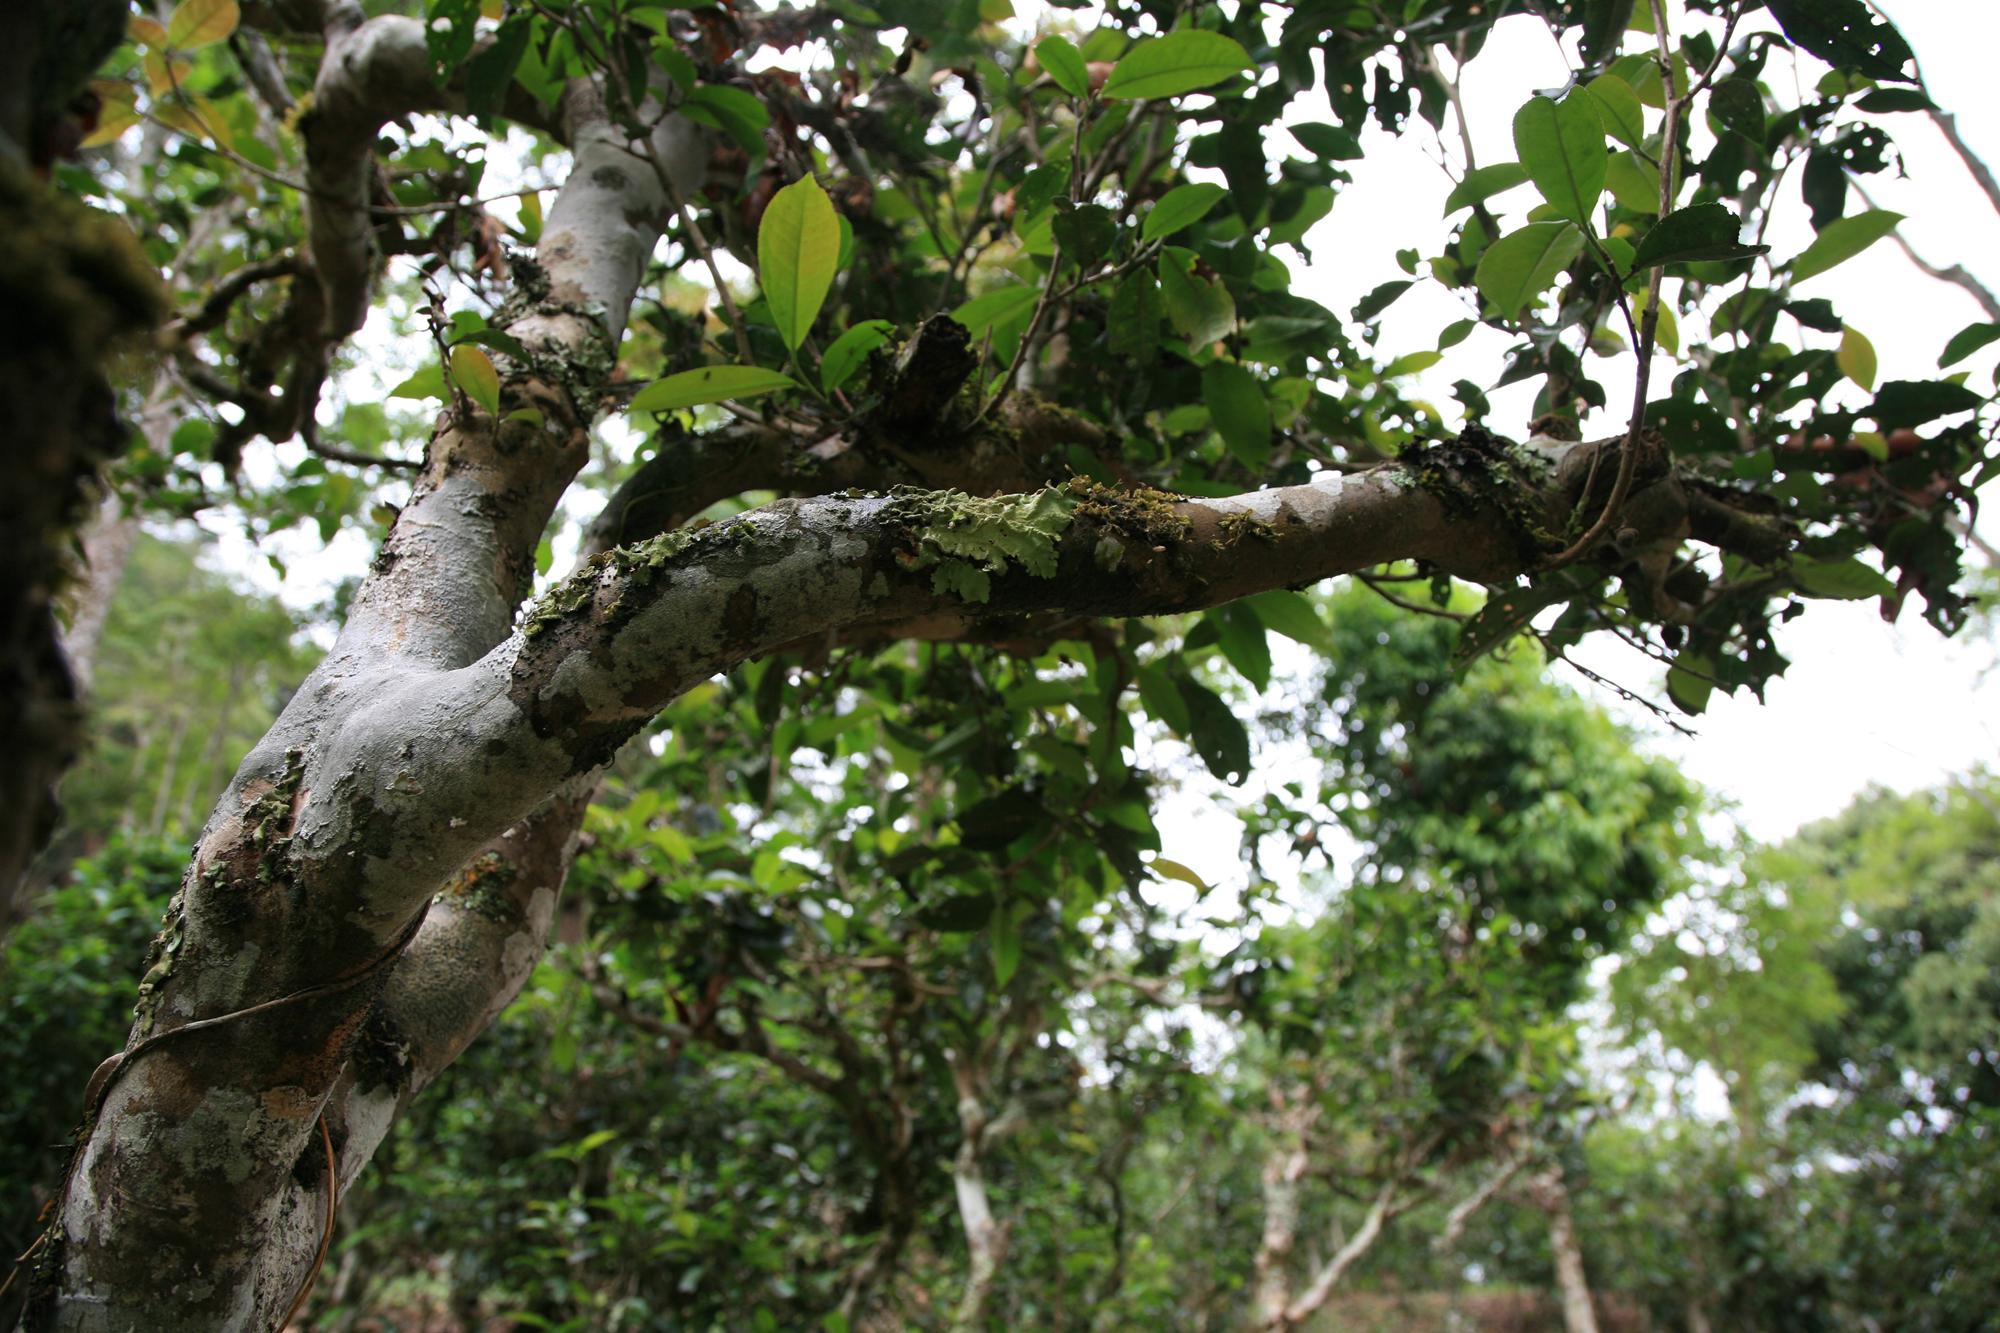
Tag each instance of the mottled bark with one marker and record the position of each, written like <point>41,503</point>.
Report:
<point>276,961</point>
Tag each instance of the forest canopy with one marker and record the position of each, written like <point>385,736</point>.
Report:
<point>835,478</point>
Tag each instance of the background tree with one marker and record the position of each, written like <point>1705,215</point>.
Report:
<point>379,879</point>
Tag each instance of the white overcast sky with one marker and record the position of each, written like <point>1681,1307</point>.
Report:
<point>1864,702</point>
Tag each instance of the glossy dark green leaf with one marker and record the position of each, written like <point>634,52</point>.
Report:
<point>1085,231</point>
<point>1242,638</point>
<point>1967,341</point>
<point>1738,106</point>
<point>1846,34</point>
<point>1381,299</point>
<point>1216,732</point>
<point>1903,403</point>
<point>1700,231</point>
<point>1237,406</point>
<point>1329,143</point>
<point>1133,321</point>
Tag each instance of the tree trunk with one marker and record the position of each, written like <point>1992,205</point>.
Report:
<point>1579,1315</point>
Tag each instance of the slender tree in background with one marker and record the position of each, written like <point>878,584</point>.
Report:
<point>1018,368</point>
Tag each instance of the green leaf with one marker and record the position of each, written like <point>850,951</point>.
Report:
<point>1856,357</point>
<point>1329,143</point>
<point>1520,266</point>
<point>427,382</point>
<point>1483,183</point>
<point>1738,106</point>
<point>1085,231</point>
<point>709,384</point>
<point>1065,65</point>
<point>498,339</point>
<point>994,309</point>
<point>1624,116</point>
<point>1507,612</point>
<point>1292,615</point>
<point>1180,207</point>
<point>1215,731</point>
<point>1967,341</point>
<point>1373,304</point>
<point>1200,310</point>
<point>1842,240</point>
<point>1134,316</point>
<point>1562,146</point>
<point>1701,231</point>
<point>1242,639</point>
<point>1236,404</point>
<point>1006,943</point>
<point>1845,34</point>
<point>1840,580</point>
<point>1162,697</point>
<point>472,371</point>
<point>733,111</point>
<point>1634,186</point>
<point>798,248</point>
<point>1176,63</point>
<point>850,349</point>
<point>1690,681</point>
<point>1166,869</point>
<point>199,23</point>
<point>1903,403</point>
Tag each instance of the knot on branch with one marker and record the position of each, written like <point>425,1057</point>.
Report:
<point>918,386</point>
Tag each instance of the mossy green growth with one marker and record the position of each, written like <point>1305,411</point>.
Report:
<point>966,539</point>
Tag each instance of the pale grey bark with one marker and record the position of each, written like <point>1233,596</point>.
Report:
<point>107,549</point>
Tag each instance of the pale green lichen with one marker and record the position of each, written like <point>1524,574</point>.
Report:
<point>966,539</point>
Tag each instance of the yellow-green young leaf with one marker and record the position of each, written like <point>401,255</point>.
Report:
<point>1841,241</point>
<point>850,349</point>
<point>145,32</point>
<point>1562,146</point>
<point>1520,265</point>
<point>198,23</point>
<point>1064,64</point>
<point>1667,332</point>
<point>1166,869</point>
<point>1176,63</point>
<point>1856,357</point>
<point>798,249</point>
<point>472,371</point>
<point>710,384</point>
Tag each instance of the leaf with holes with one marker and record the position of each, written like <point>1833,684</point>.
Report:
<point>1701,231</point>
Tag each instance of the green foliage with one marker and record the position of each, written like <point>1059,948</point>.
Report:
<point>67,984</point>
